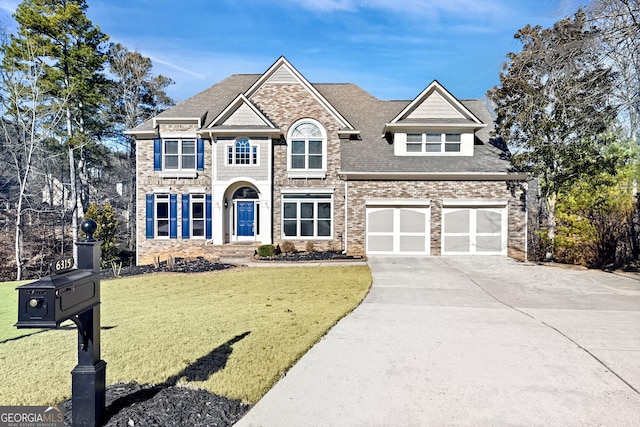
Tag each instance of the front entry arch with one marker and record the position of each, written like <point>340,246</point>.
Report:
<point>245,214</point>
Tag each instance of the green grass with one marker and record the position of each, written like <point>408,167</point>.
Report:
<point>251,324</point>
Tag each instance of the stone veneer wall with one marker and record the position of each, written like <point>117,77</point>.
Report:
<point>147,180</point>
<point>285,104</point>
<point>437,191</point>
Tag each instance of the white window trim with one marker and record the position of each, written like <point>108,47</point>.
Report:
<point>179,171</point>
<point>156,227</point>
<point>232,144</point>
<point>315,219</point>
<point>466,143</point>
<point>308,173</point>
<point>201,198</point>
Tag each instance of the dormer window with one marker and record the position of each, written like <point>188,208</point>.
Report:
<point>434,142</point>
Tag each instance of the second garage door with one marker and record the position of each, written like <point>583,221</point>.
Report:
<point>469,230</point>
<point>393,229</point>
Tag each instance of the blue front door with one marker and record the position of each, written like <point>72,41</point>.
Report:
<point>245,218</point>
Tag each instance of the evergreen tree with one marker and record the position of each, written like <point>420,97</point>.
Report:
<point>73,53</point>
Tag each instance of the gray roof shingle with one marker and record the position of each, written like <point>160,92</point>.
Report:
<point>372,153</point>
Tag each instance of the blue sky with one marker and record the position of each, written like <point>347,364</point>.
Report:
<point>391,48</point>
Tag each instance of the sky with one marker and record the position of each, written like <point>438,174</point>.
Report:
<point>393,49</point>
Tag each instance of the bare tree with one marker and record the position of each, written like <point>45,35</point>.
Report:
<point>618,22</point>
<point>136,95</point>
<point>30,116</point>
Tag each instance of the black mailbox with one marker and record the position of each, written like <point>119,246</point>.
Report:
<point>54,299</point>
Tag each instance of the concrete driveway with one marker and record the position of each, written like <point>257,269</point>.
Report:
<point>471,341</point>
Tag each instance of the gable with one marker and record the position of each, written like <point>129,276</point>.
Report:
<point>243,116</point>
<point>436,103</point>
<point>435,107</point>
<point>282,72</point>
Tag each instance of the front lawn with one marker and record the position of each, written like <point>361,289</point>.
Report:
<point>232,332</point>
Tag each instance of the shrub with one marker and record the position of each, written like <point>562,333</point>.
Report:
<point>288,247</point>
<point>310,247</point>
<point>107,221</point>
<point>266,250</point>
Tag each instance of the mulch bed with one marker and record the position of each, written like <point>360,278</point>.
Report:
<point>310,256</point>
<point>130,404</point>
<point>180,265</point>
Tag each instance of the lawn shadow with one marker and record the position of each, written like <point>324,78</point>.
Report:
<point>42,331</point>
<point>200,370</point>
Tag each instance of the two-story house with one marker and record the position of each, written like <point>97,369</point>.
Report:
<point>269,158</point>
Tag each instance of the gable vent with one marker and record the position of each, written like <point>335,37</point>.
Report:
<point>282,75</point>
<point>435,107</point>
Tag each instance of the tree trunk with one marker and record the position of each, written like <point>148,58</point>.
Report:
<point>550,201</point>
<point>74,203</point>
<point>18,237</point>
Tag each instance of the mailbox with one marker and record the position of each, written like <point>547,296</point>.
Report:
<point>54,299</point>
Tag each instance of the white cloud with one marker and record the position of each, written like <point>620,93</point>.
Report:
<point>421,7</point>
<point>9,5</point>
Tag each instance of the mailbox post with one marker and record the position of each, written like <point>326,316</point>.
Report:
<point>73,294</point>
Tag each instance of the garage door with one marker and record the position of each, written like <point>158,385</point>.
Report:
<point>474,230</point>
<point>398,230</point>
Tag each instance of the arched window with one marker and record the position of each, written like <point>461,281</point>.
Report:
<point>242,152</point>
<point>307,149</point>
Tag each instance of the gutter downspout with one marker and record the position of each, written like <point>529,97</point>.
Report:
<point>346,216</point>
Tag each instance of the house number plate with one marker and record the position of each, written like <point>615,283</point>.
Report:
<point>62,265</point>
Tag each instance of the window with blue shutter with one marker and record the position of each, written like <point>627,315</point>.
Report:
<point>185,216</point>
<point>157,154</point>
<point>173,212</point>
<point>200,154</point>
<point>149,216</point>
<point>208,217</point>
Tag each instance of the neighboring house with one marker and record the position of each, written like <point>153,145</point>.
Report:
<point>269,158</point>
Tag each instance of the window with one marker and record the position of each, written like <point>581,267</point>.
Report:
<point>433,142</point>
<point>176,155</point>
<point>197,215</point>
<point>162,216</point>
<point>242,152</point>
<point>180,154</point>
<point>307,150</point>
<point>306,216</point>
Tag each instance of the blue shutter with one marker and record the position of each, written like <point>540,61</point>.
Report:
<point>149,216</point>
<point>200,148</point>
<point>157,154</point>
<point>173,216</point>
<point>185,216</point>
<point>208,216</point>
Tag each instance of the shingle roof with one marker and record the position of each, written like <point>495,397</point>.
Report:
<point>372,153</point>
<point>210,101</point>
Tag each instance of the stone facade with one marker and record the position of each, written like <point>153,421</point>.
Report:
<point>270,105</point>
<point>286,104</point>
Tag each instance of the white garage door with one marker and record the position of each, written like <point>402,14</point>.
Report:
<point>398,230</point>
<point>469,230</point>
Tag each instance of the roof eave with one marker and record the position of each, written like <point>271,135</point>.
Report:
<point>272,132</point>
<point>437,176</point>
<point>400,126</point>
